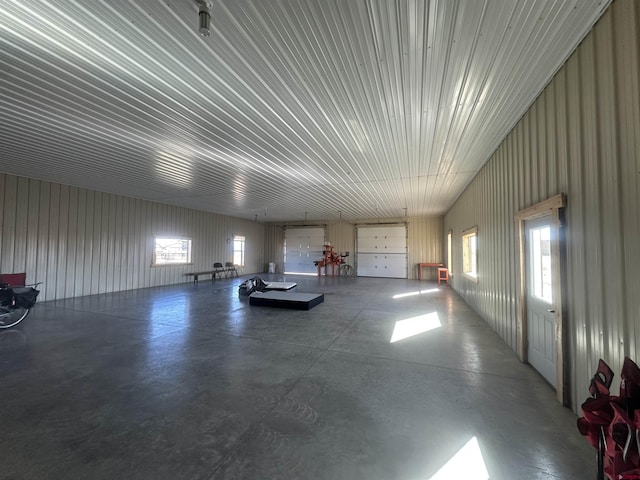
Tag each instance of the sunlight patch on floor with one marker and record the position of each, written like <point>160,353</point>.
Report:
<point>411,327</point>
<point>412,294</point>
<point>467,464</point>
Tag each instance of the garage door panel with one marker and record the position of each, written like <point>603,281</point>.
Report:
<point>382,245</point>
<point>390,265</point>
<point>303,247</point>
<point>383,232</point>
<point>382,251</point>
<point>396,266</point>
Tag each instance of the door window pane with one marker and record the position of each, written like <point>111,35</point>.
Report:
<point>541,263</point>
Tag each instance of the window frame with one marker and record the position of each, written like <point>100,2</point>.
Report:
<point>470,271</point>
<point>154,257</point>
<point>243,240</point>
<point>450,252</point>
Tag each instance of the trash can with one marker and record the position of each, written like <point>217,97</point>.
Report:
<point>272,267</point>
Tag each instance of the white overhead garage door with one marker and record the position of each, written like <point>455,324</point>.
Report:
<point>301,248</point>
<point>382,251</point>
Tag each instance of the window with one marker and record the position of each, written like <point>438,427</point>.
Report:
<point>238,250</point>
<point>449,254</point>
<point>470,253</point>
<point>540,242</point>
<point>171,251</point>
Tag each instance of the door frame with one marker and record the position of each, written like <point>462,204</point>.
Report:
<point>554,207</point>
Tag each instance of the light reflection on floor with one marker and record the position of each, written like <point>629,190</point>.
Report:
<point>411,327</point>
<point>164,311</point>
<point>467,464</point>
<point>418,292</point>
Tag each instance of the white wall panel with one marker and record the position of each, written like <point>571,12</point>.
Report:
<point>81,242</point>
<point>581,137</point>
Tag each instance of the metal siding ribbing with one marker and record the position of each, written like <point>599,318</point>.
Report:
<point>254,234</point>
<point>626,19</point>
<point>273,247</point>
<point>612,298</point>
<point>425,243</point>
<point>590,174</point>
<point>342,236</point>
<point>581,137</point>
<point>82,242</point>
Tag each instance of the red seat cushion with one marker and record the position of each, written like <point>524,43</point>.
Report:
<point>14,279</point>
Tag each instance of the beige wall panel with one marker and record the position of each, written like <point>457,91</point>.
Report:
<point>254,234</point>
<point>591,199</point>
<point>20,228</point>
<point>581,137</point>
<point>32,221</point>
<point>273,247</point>
<point>628,17</point>
<point>9,223</point>
<point>576,254</point>
<point>612,298</point>
<point>341,236</point>
<point>81,242</point>
<point>425,243</point>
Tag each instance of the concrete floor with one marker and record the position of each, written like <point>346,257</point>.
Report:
<point>189,381</point>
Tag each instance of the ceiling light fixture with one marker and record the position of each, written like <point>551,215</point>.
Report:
<point>204,18</point>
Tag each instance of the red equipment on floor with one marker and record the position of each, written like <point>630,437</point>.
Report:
<point>612,423</point>
<point>329,259</point>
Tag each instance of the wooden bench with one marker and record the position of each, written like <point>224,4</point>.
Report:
<point>195,275</point>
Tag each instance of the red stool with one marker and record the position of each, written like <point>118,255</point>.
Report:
<point>443,275</point>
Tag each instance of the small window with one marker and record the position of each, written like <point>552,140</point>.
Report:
<point>470,253</point>
<point>238,250</point>
<point>171,251</point>
<point>449,253</point>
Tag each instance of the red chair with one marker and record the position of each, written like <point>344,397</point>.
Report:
<point>14,279</point>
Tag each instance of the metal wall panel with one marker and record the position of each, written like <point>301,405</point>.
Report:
<point>82,242</point>
<point>581,137</point>
<point>273,247</point>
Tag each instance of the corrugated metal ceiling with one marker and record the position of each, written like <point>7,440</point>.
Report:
<point>291,109</point>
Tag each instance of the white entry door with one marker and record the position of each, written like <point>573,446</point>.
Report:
<point>303,246</point>
<point>541,318</point>
<point>382,251</point>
